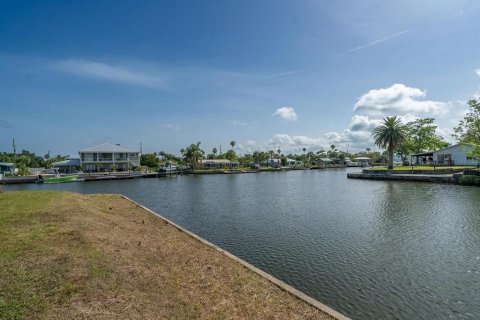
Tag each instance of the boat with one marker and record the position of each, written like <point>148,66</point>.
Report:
<point>168,168</point>
<point>60,179</point>
<point>57,178</point>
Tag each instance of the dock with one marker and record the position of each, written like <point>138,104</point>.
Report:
<point>91,177</point>
<point>438,178</point>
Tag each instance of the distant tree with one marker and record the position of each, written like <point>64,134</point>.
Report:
<point>232,143</point>
<point>246,159</point>
<point>421,137</point>
<point>390,134</point>
<point>271,153</point>
<point>468,129</point>
<point>149,160</point>
<point>231,155</point>
<point>257,157</point>
<point>193,155</point>
<point>214,151</point>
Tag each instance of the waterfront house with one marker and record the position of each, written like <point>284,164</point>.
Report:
<point>363,161</point>
<point>449,156</point>
<point>455,155</point>
<point>218,164</point>
<point>67,166</point>
<point>292,163</point>
<point>324,162</point>
<point>108,157</point>
<point>7,167</point>
<point>274,163</point>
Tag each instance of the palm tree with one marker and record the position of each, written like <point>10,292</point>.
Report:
<point>232,143</point>
<point>194,154</point>
<point>214,151</point>
<point>304,158</point>
<point>390,135</point>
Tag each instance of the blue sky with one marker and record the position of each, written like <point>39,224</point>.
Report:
<point>267,74</point>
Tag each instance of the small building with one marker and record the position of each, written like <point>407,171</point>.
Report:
<point>456,155</point>
<point>274,163</point>
<point>363,161</point>
<point>7,167</point>
<point>292,163</point>
<point>324,162</point>
<point>423,158</point>
<point>69,165</point>
<point>108,157</point>
<point>218,164</point>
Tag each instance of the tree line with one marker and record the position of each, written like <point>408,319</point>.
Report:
<point>26,159</point>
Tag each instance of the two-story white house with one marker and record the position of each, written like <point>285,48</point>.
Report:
<point>108,157</point>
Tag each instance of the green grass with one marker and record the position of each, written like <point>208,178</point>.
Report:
<point>470,181</point>
<point>423,167</point>
<point>35,255</point>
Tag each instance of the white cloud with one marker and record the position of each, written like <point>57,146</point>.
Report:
<point>169,126</point>
<point>98,70</point>
<point>399,99</point>
<point>239,123</point>
<point>286,113</point>
<point>477,72</point>
<point>362,123</point>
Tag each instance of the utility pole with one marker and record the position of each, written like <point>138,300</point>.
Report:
<point>14,147</point>
<point>141,148</point>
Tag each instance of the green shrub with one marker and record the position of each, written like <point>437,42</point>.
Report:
<point>470,181</point>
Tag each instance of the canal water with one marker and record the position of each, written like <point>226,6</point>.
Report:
<point>369,249</point>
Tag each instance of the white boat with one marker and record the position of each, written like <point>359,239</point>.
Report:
<point>168,168</point>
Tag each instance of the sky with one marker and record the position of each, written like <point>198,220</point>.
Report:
<point>268,74</point>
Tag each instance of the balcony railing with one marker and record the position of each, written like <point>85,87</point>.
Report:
<point>110,159</point>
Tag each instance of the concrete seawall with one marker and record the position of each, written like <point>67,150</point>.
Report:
<point>437,178</point>
<point>300,295</point>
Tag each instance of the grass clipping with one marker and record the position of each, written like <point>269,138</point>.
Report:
<point>65,256</point>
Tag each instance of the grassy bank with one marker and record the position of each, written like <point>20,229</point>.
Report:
<point>65,255</point>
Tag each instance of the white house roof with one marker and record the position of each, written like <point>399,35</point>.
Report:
<point>68,162</point>
<point>469,145</point>
<point>362,158</point>
<point>108,147</point>
<point>215,161</point>
<point>7,164</point>
<point>326,160</point>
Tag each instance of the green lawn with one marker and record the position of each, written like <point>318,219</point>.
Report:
<point>38,253</point>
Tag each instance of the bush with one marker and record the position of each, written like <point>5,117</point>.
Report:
<point>470,181</point>
<point>406,163</point>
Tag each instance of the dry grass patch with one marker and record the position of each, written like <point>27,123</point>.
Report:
<point>68,256</point>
